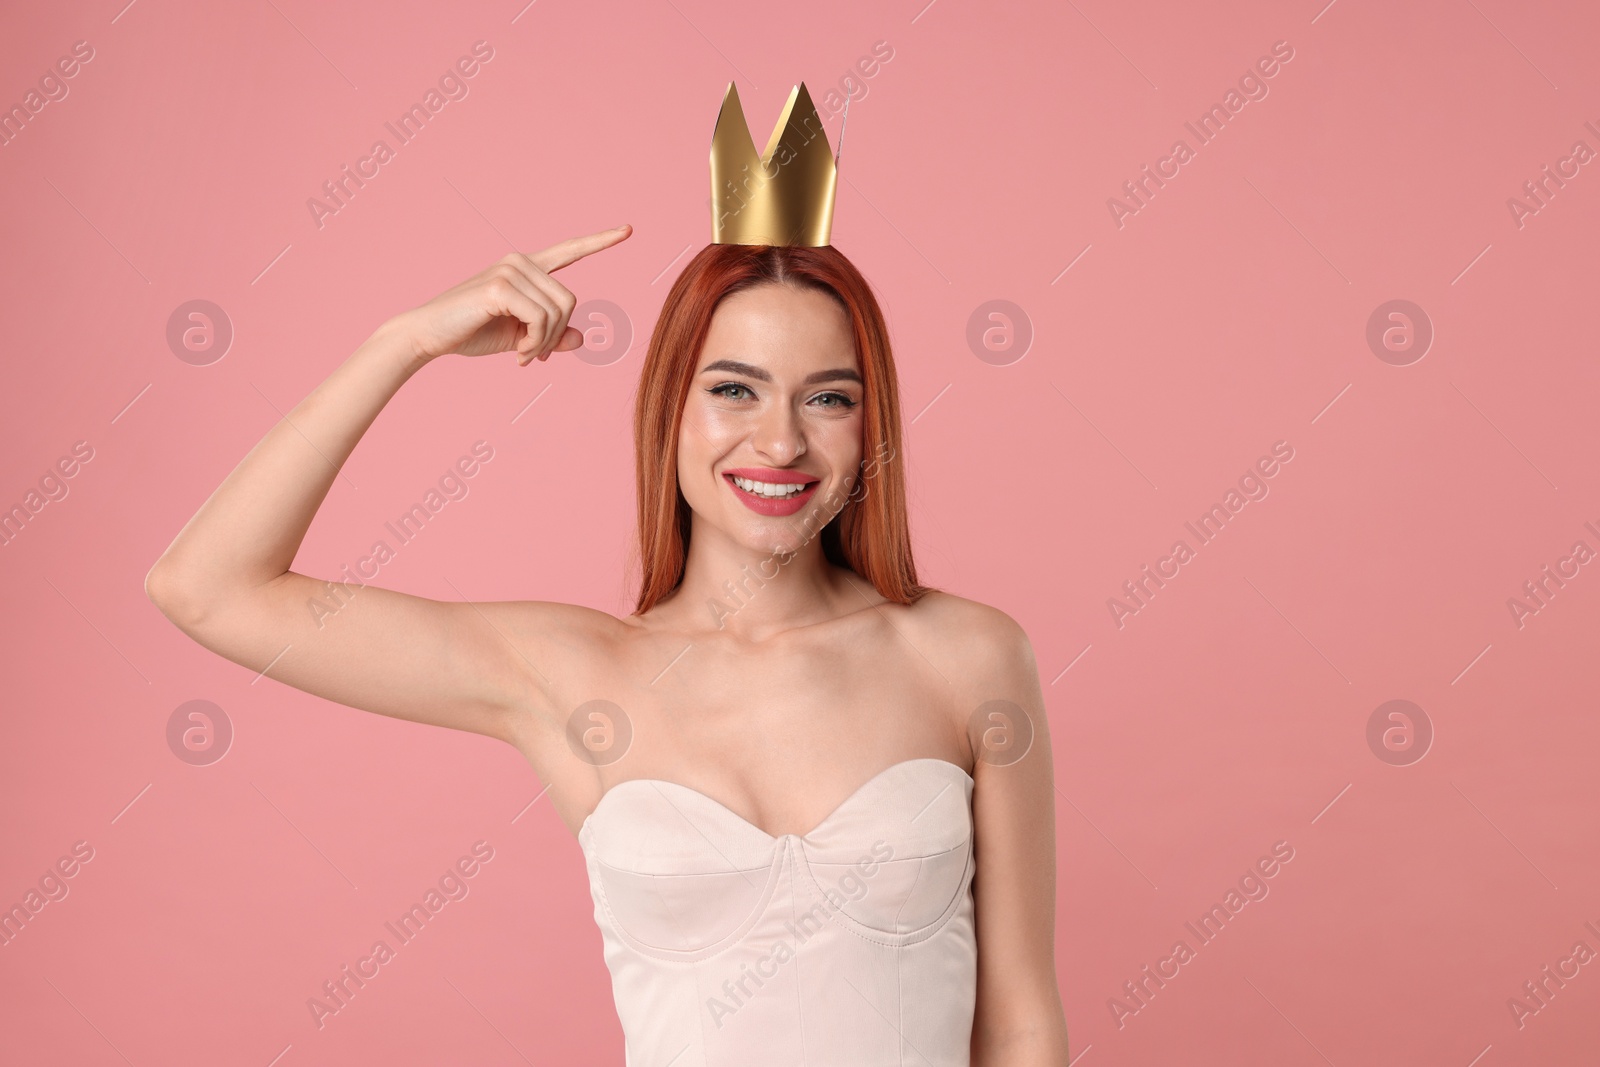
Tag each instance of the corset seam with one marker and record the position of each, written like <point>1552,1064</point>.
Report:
<point>669,955</point>
<point>890,939</point>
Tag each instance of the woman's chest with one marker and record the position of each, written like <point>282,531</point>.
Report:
<point>778,735</point>
<point>811,704</point>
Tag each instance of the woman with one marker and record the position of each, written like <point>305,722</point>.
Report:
<point>814,797</point>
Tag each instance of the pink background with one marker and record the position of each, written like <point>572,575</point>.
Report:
<point>1227,314</point>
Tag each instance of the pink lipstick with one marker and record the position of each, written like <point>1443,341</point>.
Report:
<point>767,491</point>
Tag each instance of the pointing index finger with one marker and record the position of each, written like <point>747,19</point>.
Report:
<point>570,251</point>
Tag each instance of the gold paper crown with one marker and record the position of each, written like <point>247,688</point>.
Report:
<point>783,196</point>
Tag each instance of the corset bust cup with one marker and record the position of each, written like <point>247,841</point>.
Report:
<point>852,943</point>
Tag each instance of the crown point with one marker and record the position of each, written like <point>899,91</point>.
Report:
<point>784,195</point>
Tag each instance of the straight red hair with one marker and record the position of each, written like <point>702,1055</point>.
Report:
<point>870,535</point>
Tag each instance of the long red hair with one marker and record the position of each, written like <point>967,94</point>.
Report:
<point>870,535</point>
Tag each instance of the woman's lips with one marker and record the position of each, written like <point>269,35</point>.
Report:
<point>771,505</point>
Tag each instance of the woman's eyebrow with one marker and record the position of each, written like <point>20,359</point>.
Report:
<point>842,374</point>
<point>750,370</point>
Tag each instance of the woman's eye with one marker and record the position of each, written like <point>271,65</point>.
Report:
<point>837,400</point>
<point>736,391</point>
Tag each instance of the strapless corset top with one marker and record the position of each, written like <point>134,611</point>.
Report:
<point>853,943</point>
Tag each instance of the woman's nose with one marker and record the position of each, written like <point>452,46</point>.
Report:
<point>780,436</point>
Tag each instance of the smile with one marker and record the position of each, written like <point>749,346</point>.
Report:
<point>766,488</point>
<point>772,497</point>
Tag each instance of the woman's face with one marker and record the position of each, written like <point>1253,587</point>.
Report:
<point>770,444</point>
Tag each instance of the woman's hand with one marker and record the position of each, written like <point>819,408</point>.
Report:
<point>513,305</point>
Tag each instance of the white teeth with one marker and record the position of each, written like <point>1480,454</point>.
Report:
<point>766,488</point>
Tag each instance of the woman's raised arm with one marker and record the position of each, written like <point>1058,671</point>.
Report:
<point>225,580</point>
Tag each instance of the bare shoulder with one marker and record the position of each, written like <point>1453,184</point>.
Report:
<point>979,648</point>
<point>555,644</point>
<point>997,704</point>
<point>549,625</point>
